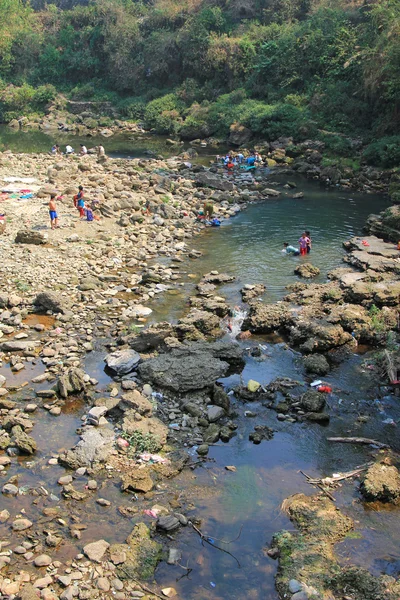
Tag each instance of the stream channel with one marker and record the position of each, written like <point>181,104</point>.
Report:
<point>249,247</point>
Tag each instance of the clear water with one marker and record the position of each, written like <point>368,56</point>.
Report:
<point>249,246</point>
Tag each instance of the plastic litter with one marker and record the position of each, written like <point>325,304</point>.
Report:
<point>325,389</point>
<point>157,395</point>
<point>174,426</point>
<point>389,421</point>
<point>151,513</point>
<point>316,383</point>
<point>213,585</point>
<point>156,458</point>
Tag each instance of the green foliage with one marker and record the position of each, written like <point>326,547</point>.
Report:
<point>384,152</point>
<point>141,442</point>
<point>377,319</point>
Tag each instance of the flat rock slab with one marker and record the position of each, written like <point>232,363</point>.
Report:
<point>95,446</point>
<point>96,550</point>
<point>18,346</point>
<point>122,361</point>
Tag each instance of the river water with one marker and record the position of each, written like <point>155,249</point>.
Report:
<point>248,500</point>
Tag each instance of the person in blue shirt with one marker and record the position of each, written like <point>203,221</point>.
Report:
<point>251,160</point>
<point>287,249</point>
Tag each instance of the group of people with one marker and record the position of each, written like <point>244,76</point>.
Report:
<point>231,160</point>
<point>85,210</point>
<point>83,150</point>
<point>304,246</point>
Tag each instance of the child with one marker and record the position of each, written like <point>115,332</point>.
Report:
<point>309,241</point>
<point>290,249</point>
<point>89,214</point>
<point>303,242</point>
<point>79,202</point>
<point>53,212</point>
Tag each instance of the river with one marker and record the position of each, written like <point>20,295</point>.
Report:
<point>248,500</point>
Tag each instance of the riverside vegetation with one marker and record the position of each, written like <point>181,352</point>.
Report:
<point>301,68</point>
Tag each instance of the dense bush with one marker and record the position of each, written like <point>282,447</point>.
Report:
<point>195,66</point>
<point>384,152</point>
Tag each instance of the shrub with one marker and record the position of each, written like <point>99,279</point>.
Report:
<point>163,114</point>
<point>384,152</point>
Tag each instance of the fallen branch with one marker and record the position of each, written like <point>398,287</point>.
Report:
<point>357,440</point>
<point>206,539</point>
<point>318,484</point>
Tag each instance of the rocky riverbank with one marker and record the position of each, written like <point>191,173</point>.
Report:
<point>87,286</point>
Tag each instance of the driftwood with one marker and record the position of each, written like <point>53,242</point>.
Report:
<point>335,478</point>
<point>357,440</point>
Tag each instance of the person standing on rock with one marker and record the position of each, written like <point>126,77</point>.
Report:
<point>53,212</point>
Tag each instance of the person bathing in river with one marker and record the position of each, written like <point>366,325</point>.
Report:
<point>53,212</point>
<point>287,249</point>
<point>309,241</point>
<point>303,243</point>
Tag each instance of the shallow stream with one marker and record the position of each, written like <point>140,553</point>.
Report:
<point>249,247</point>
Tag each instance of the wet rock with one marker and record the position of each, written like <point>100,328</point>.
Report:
<point>28,236</point>
<point>203,450</point>
<point>167,523</point>
<point>318,335</point>
<point>317,364</point>
<point>138,481</point>
<point>122,361</point>
<point>260,433</point>
<point>214,413</point>
<point>151,338</point>
<point>70,493</point>
<point>249,292</point>
<point>265,318</point>
<point>317,417</point>
<point>306,270</point>
<point>313,401</point>
<point>24,442</point>
<point>381,482</point>
<point>220,397</point>
<point>174,556</point>
<point>192,367</point>
<point>211,434</point>
<point>21,524</point>
<point>95,447</point>
<point>142,554</point>
<point>43,560</point>
<point>71,382</point>
<point>96,550</point>
<point>51,301</point>
<point>9,489</point>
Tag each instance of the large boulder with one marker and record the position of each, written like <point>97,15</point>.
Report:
<point>265,318</point>
<point>318,335</point>
<point>141,555</point>
<point>381,482</point>
<point>28,236</point>
<point>122,361</point>
<point>50,301</point>
<point>317,364</point>
<point>313,401</point>
<point>192,367</point>
<point>149,339</point>
<point>208,179</point>
<point>239,134</point>
<point>72,382</point>
<point>94,448</point>
<point>307,271</point>
<point>24,442</point>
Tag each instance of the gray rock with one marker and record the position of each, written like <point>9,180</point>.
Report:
<point>316,363</point>
<point>214,413</point>
<point>295,586</point>
<point>71,382</point>
<point>174,556</point>
<point>95,447</point>
<point>96,550</point>
<point>122,361</point>
<point>208,179</point>
<point>10,489</point>
<point>18,346</point>
<point>51,301</point>
<point>300,596</point>
<point>27,236</point>
<point>313,401</point>
<point>192,367</point>
<point>24,442</point>
<point>168,523</point>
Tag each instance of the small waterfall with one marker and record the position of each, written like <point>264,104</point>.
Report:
<point>233,324</point>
